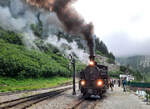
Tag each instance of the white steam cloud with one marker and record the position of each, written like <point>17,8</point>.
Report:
<point>16,15</point>
<point>10,23</point>
<point>68,48</point>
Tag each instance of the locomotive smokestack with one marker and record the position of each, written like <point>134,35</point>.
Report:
<point>92,57</point>
<point>92,62</point>
<point>71,20</point>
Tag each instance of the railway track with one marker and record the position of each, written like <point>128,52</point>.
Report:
<point>26,102</point>
<point>84,104</point>
<point>76,105</point>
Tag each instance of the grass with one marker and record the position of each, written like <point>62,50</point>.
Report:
<point>13,85</point>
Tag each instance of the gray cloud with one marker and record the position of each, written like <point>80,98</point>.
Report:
<point>121,45</point>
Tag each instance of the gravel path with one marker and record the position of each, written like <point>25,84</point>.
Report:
<point>60,102</point>
<point>122,100</point>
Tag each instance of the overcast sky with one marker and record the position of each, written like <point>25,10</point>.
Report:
<point>124,25</point>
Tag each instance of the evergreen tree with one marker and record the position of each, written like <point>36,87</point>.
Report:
<point>101,47</point>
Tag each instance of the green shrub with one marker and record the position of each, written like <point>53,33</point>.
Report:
<point>99,53</point>
<point>115,74</point>
<point>111,61</point>
<point>11,37</point>
<point>17,61</point>
<point>123,68</point>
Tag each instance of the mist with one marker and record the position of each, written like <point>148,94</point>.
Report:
<point>68,48</point>
<point>17,16</point>
<point>123,46</point>
<point>73,23</point>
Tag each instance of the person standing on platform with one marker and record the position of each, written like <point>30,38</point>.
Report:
<point>111,85</point>
<point>124,83</point>
<point>118,82</point>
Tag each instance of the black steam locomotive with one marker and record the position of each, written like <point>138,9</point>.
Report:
<point>93,79</point>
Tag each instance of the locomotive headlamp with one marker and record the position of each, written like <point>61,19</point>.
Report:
<point>91,63</point>
<point>99,83</point>
<point>82,82</point>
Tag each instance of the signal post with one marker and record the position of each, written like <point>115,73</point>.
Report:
<point>74,74</point>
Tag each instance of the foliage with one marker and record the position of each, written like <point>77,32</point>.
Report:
<point>102,48</point>
<point>12,84</point>
<point>110,61</point>
<point>11,37</point>
<point>17,61</point>
<point>37,28</point>
<point>147,95</point>
<point>148,79</point>
<point>140,63</point>
<point>99,53</point>
<point>123,68</point>
<point>136,73</point>
<point>79,66</point>
<point>64,35</point>
<point>46,48</point>
<point>111,56</point>
<point>115,74</point>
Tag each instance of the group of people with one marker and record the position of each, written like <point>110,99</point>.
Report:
<point>112,82</point>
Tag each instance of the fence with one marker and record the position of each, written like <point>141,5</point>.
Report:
<point>138,84</point>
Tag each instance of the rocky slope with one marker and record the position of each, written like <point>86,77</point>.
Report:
<point>104,61</point>
<point>141,63</point>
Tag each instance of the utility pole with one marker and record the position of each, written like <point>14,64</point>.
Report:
<point>74,74</point>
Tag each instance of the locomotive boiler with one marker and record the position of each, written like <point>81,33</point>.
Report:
<point>93,79</point>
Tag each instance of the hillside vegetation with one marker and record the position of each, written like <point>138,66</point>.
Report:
<point>18,61</point>
<point>47,61</point>
<point>140,64</point>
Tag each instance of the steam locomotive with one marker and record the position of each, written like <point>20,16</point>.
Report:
<point>93,79</point>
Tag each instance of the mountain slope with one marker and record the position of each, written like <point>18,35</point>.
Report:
<point>140,63</point>
<point>16,60</point>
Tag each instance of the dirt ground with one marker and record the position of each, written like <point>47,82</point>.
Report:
<point>118,99</point>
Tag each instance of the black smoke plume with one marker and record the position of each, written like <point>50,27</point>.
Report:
<point>71,20</point>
